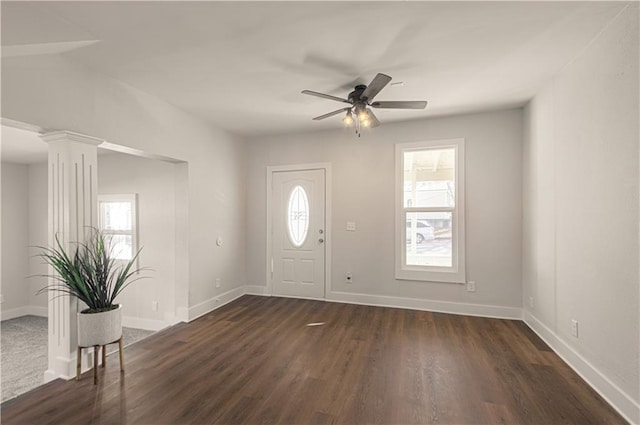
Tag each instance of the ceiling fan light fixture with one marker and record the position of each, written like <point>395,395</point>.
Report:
<point>348,119</point>
<point>360,99</point>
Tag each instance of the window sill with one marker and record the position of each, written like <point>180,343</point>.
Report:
<point>431,276</point>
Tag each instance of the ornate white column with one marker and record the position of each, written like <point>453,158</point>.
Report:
<point>73,203</point>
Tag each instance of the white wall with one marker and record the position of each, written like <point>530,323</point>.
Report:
<point>153,183</point>
<point>24,223</point>
<point>54,93</point>
<point>15,240</point>
<point>581,213</point>
<point>363,191</point>
<point>38,208</point>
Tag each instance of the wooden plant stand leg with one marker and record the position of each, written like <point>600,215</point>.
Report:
<point>121,355</point>
<point>95,364</point>
<point>104,355</point>
<point>79,363</point>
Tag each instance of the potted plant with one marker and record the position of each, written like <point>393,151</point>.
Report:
<point>92,275</point>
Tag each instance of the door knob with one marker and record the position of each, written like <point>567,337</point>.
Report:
<point>320,240</point>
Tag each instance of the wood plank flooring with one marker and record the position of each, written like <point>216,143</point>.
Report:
<point>258,360</point>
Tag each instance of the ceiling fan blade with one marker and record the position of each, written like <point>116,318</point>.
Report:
<point>330,114</point>
<point>377,84</point>
<point>373,120</point>
<point>417,104</point>
<point>326,96</point>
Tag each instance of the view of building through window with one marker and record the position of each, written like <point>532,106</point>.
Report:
<point>428,201</point>
<point>117,222</point>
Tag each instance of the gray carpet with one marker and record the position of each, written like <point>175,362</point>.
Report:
<point>23,351</point>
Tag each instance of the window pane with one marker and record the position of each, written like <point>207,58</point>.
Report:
<point>120,246</point>
<point>116,215</point>
<point>429,178</point>
<point>298,216</point>
<point>429,239</point>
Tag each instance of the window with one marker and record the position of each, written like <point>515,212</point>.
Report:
<point>430,211</point>
<point>298,216</point>
<point>118,222</point>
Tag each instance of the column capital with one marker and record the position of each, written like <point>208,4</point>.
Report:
<point>70,136</point>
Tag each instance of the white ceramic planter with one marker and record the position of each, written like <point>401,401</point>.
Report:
<point>99,328</point>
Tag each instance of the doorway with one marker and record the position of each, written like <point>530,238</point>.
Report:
<point>298,233</point>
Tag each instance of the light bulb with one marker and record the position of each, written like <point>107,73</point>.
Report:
<point>363,116</point>
<point>366,123</point>
<point>348,119</point>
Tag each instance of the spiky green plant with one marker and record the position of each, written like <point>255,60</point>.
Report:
<point>91,273</point>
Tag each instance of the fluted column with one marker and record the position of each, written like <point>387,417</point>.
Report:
<point>73,203</point>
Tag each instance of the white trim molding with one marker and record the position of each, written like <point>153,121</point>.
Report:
<point>479,310</point>
<point>255,290</point>
<point>27,310</point>
<point>12,313</point>
<point>7,122</point>
<point>618,399</point>
<point>448,307</point>
<point>214,303</point>
<point>456,273</point>
<point>146,324</point>
<point>70,136</point>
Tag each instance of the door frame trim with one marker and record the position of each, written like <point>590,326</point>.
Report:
<point>326,166</point>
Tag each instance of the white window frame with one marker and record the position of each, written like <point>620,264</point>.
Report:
<point>132,198</point>
<point>457,272</point>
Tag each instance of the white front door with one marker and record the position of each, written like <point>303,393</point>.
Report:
<point>298,225</point>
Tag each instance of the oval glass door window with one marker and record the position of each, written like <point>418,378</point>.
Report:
<point>298,216</point>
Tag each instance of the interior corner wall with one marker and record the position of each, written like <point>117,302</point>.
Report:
<point>153,183</point>
<point>363,192</point>
<point>54,93</point>
<point>15,240</point>
<point>581,213</point>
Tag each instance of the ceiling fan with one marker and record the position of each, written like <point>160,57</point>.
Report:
<point>359,114</point>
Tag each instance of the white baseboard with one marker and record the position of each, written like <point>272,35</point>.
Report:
<point>182,314</point>
<point>410,303</point>
<point>215,302</point>
<point>171,319</point>
<point>255,290</point>
<point>480,310</point>
<point>146,324</point>
<point>27,310</point>
<point>12,313</point>
<point>49,375</point>
<point>617,398</point>
<point>35,310</point>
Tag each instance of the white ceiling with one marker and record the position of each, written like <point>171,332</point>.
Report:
<point>242,65</point>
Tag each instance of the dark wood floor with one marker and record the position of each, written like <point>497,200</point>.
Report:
<point>258,360</point>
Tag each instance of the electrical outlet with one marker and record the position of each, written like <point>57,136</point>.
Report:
<point>471,286</point>
<point>1,298</point>
<point>154,305</point>
<point>217,282</point>
<point>348,278</point>
<point>531,302</point>
<point>574,328</point>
